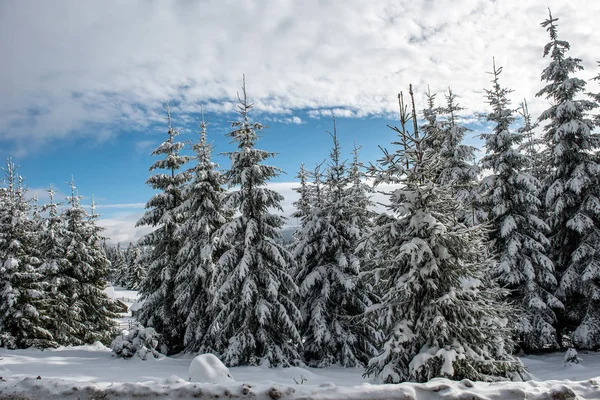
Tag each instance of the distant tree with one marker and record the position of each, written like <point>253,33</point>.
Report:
<point>303,204</point>
<point>534,150</point>
<point>458,168</point>
<point>254,316</point>
<point>519,234</point>
<point>205,214</point>
<point>442,316</point>
<point>359,195</point>
<point>22,297</point>
<point>158,287</point>
<point>118,265</point>
<point>136,269</point>
<point>573,194</point>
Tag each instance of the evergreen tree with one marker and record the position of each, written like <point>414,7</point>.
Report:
<point>572,198</point>
<point>442,316</point>
<point>21,289</point>
<point>359,196</point>
<point>457,165</point>
<point>52,245</point>
<point>136,269</point>
<point>520,241</point>
<point>205,214</point>
<point>534,150</point>
<point>433,127</point>
<point>332,298</point>
<point>255,317</point>
<point>158,288</point>
<point>87,317</point>
<point>303,204</point>
<point>118,266</point>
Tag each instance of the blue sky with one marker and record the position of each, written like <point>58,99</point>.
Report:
<point>83,84</point>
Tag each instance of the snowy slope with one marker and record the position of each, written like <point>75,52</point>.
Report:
<point>87,372</point>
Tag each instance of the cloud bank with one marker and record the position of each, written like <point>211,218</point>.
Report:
<point>78,68</point>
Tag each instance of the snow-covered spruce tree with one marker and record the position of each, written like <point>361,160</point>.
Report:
<point>53,248</point>
<point>331,297</point>
<point>205,214</point>
<point>303,204</point>
<point>118,265</point>
<point>533,148</point>
<point>136,269</point>
<point>22,297</point>
<point>573,195</point>
<point>441,314</point>
<point>519,234</point>
<point>158,287</point>
<point>458,169</point>
<point>433,126</point>
<point>254,316</point>
<point>87,317</point>
<point>359,196</point>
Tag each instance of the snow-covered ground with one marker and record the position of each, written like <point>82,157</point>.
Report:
<point>92,372</point>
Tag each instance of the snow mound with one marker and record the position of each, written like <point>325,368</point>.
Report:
<point>207,368</point>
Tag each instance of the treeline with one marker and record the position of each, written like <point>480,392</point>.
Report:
<point>127,267</point>
<point>462,270</point>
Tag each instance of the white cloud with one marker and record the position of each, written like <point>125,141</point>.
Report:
<point>74,65</point>
<point>121,206</point>
<point>120,227</point>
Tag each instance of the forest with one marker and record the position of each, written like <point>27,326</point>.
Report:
<point>470,263</point>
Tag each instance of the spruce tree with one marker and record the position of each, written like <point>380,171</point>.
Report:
<point>458,165</point>
<point>87,316</point>
<point>136,269</point>
<point>303,204</point>
<point>329,265</point>
<point>359,195</point>
<point>118,266</point>
<point>573,194</point>
<point>52,246</point>
<point>158,287</point>
<point>441,314</point>
<point>205,214</point>
<point>255,318</point>
<point>520,242</point>
<point>22,297</point>
<point>534,150</point>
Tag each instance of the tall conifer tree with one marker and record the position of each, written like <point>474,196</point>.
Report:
<point>87,316</point>
<point>329,266</point>
<point>573,194</point>
<point>205,214</point>
<point>520,242</point>
<point>22,296</point>
<point>158,287</point>
<point>255,318</point>
<point>441,314</point>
